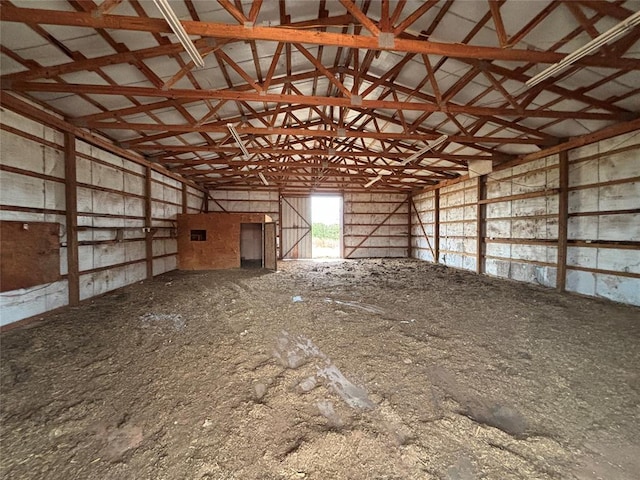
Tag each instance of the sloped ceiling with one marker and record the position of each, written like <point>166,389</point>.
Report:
<point>326,95</point>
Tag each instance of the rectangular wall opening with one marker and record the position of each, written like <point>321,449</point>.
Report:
<point>251,245</point>
<point>198,235</point>
<point>326,231</point>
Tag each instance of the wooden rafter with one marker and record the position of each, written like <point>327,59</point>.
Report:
<point>292,35</point>
<point>348,111</point>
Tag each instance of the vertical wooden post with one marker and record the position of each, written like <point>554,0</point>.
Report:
<point>71,206</point>
<point>436,226</point>
<point>563,217</point>
<point>480,225</point>
<point>343,253</point>
<point>184,198</point>
<point>279,225</point>
<point>148,220</point>
<point>409,236</point>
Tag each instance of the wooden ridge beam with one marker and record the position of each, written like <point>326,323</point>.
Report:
<point>296,35</point>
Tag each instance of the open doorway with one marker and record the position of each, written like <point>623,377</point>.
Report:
<point>251,245</point>
<point>326,231</point>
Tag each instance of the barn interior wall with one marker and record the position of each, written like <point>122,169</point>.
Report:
<point>111,213</point>
<point>519,222</point>
<point>375,225</point>
<point>220,248</point>
<point>246,201</point>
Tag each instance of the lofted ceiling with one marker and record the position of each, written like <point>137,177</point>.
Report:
<point>325,95</point>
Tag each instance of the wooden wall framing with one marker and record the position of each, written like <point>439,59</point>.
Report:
<point>569,220</point>
<point>375,225</point>
<point>116,212</point>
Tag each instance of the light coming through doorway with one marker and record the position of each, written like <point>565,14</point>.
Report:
<point>326,231</point>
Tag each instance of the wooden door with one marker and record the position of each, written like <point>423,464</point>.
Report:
<point>296,227</point>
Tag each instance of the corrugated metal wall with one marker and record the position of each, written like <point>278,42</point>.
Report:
<point>296,227</point>
<point>111,201</point>
<point>375,225</point>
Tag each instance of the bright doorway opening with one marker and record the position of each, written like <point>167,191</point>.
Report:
<point>326,230</point>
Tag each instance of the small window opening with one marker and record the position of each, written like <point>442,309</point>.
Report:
<point>198,235</point>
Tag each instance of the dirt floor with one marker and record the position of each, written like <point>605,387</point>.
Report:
<point>375,369</point>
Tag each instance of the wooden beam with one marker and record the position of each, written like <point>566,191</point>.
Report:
<point>297,35</point>
<point>494,6</point>
<point>71,207</point>
<point>307,100</point>
<point>409,226</point>
<point>148,221</point>
<point>233,11</point>
<point>419,12</point>
<point>603,134</point>
<point>314,152</point>
<point>480,224</point>
<point>325,71</point>
<point>185,198</point>
<point>220,127</point>
<point>360,16</point>
<point>563,217</point>
<point>436,226</point>
<point>34,113</point>
<point>424,230</point>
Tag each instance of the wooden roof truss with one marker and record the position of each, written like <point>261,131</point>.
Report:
<point>326,95</point>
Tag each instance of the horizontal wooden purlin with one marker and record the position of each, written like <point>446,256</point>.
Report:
<point>520,196</point>
<point>307,132</point>
<point>300,178</point>
<point>254,180</point>
<point>629,211</point>
<point>614,244</point>
<point>617,273</point>
<point>311,176</point>
<point>327,165</point>
<point>77,88</point>
<point>324,153</point>
<point>295,35</point>
<point>180,167</point>
<point>83,121</point>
